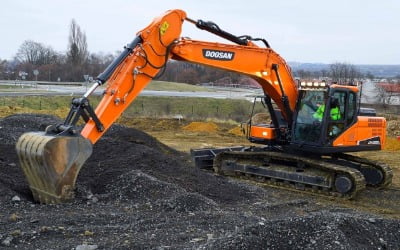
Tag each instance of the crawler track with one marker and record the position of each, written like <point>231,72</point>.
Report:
<point>376,174</point>
<point>339,175</point>
<point>311,175</point>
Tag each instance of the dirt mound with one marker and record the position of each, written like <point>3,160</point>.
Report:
<point>320,231</point>
<point>392,144</point>
<point>140,189</point>
<point>140,151</point>
<point>260,118</point>
<point>393,128</point>
<point>136,193</point>
<point>236,131</point>
<point>12,127</point>
<point>153,124</point>
<point>201,127</point>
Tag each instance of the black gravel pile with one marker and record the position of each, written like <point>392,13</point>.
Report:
<point>136,193</point>
<point>12,127</point>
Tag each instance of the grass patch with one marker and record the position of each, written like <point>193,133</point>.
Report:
<point>18,88</point>
<point>10,87</point>
<point>174,86</point>
<point>146,106</point>
<point>36,102</point>
<point>191,108</point>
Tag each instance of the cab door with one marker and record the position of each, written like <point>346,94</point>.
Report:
<point>307,127</point>
<point>347,106</point>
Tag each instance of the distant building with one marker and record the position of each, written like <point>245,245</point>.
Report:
<point>380,92</point>
<point>392,92</point>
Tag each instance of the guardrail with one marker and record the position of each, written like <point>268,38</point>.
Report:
<point>17,82</point>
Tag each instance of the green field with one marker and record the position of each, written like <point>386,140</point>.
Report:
<point>13,87</point>
<point>149,106</point>
<point>196,108</point>
<point>173,86</point>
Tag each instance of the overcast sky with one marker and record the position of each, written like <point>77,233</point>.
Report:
<point>351,31</point>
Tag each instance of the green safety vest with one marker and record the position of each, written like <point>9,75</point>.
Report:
<point>335,113</point>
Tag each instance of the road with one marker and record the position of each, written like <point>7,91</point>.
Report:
<point>29,89</point>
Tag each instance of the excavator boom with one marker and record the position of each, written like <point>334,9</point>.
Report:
<point>149,54</point>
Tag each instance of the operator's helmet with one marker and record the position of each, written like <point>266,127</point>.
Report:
<point>334,103</point>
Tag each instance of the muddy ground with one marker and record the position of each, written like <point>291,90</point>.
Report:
<point>137,193</point>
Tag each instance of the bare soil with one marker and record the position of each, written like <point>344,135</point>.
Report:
<point>136,192</point>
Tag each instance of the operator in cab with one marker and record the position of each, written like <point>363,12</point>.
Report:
<point>334,113</point>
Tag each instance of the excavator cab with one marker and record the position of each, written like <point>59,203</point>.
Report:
<point>327,121</point>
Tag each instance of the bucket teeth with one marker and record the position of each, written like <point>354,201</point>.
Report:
<point>51,164</point>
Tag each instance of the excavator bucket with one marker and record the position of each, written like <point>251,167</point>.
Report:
<point>51,164</point>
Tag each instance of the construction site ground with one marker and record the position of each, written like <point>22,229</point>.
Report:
<point>140,190</point>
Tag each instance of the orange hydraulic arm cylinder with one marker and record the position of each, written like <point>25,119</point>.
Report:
<point>132,75</point>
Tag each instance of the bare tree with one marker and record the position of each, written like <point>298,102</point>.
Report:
<point>3,69</point>
<point>344,73</point>
<point>97,62</point>
<point>36,53</point>
<point>77,53</point>
<point>381,94</point>
<point>303,74</point>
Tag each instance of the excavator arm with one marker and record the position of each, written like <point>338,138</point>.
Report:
<point>51,160</point>
<point>130,73</point>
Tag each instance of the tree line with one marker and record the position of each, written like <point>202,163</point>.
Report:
<point>52,65</point>
<point>77,61</point>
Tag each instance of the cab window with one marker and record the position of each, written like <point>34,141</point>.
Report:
<point>351,111</point>
<point>308,128</point>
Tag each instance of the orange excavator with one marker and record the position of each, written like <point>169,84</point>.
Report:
<point>297,149</point>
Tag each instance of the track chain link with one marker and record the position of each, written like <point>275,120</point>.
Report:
<point>386,171</point>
